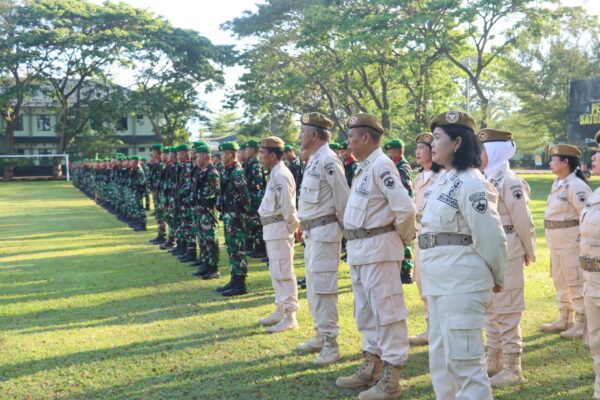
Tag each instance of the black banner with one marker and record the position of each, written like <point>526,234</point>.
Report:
<point>584,112</point>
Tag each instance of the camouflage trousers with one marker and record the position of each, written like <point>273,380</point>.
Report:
<point>407,264</point>
<point>186,225</point>
<point>172,217</point>
<point>206,230</point>
<point>159,213</point>
<point>137,213</point>
<point>235,241</point>
<point>164,210</point>
<point>254,233</point>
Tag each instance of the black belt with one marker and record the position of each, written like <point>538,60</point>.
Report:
<point>560,224</point>
<point>354,234</point>
<point>431,240</point>
<point>309,224</point>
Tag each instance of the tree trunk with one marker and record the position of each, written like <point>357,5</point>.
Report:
<point>10,148</point>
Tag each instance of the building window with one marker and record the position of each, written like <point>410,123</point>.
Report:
<point>21,152</point>
<point>140,118</point>
<point>122,124</point>
<point>141,149</point>
<point>19,125</point>
<point>123,150</point>
<point>43,123</point>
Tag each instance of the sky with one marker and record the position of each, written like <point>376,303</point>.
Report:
<point>206,17</point>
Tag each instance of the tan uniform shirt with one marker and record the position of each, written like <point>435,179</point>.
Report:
<point>280,199</point>
<point>423,181</point>
<point>378,199</point>
<point>565,202</point>
<point>590,241</point>
<point>324,191</point>
<point>463,202</point>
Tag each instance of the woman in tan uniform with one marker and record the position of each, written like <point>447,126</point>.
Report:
<point>459,267</point>
<point>590,264</point>
<point>504,311</point>
<point>427,175</point>
<point>569,194</point>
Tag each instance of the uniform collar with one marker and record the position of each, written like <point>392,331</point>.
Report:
<point>364,165</point>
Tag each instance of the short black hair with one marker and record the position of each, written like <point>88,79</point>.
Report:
<point>278,152</point>
<point>374,134</point>
<point>468,154</point>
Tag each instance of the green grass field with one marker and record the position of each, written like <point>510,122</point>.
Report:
<point>90,310</point>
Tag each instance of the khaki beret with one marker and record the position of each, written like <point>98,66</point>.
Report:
<point>494,135</point>
<point>425,137</point>
<point>453,117</point>
<point>364,120</point>
<point>565,150</point>
<point>597,137</point>
<point>316,119</point>
<point>272,142</point>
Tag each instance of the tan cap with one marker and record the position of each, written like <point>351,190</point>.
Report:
<point>272,142</point>
<point>453,117</point>
<point>494,135</point>
<point>565,150</point>
<point>316,119</point>
<point>425,137</point>
<point>364,120</point>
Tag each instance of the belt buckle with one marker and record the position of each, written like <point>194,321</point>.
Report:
<point>430,241</point>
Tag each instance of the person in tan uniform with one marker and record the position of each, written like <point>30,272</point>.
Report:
<point>459,267</point>
<point>280,221</point>
<point>379,220</point>
<point>428,173</point>
<point>569,194</point>
<point>323,196</point>
<point>589,229</point>
<point>505,309</point>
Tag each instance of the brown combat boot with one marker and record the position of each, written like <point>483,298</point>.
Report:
<point>576,331</point>
<point>330,352</point>
<point>388,387</point>
<point>274,318</point>
<point>511,373</point>
<point>564,322</point>
<point>314,345</point>
<point>494,361</point>
<point>366,375</point>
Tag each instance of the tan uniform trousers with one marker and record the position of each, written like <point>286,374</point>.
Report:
<point>592,310</point>
<point>380,311</point>
<point>322,262</point>
<point>503,317</point>
<point>283,276</point>
<point>456,353</point>
<point>568,278</point>
<point>417,276</point>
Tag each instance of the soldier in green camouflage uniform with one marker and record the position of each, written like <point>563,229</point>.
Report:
<point>205,192</point>
<point>234,204</point>
<point>350,162</point>
<point>395,150</point>
<point>171,208</point>
<point>184,184</point>
<point>168,156</point>
<point>255,179</point>
<point>296,167</point>
<point>137,187</point>
<point>155,168</point>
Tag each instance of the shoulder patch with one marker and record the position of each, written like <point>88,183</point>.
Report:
<point>582,196</point>
<point>517,193</point>
<point>479,202</point>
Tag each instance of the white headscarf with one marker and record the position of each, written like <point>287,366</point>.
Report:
<point>498,154</point>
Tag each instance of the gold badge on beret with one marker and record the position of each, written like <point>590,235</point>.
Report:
<point>353,120</point>
<point>305,119</point>
<point>452,116</point>
<point>483,136</point>
<point>554,150</point>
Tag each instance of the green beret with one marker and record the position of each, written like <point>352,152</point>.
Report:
<point>243,146</point>
<point>107,159</point>
<point>201,147</point>
<point>252,144</point>
<point>157,146</point>
<point>344,146</point>
<point>316,119</point>
<point>364,120</point>
<point>134,158</point>
<point>172,149</point>
<point>453,117</point>
<point>229,146</point>
<point>334,146</point>
<point>394,144</point>
<point>144,159</point>
<point>183,147</point>
<point>288,147</point>
<point>120,157</point>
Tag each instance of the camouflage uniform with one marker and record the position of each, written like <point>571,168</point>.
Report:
<point>184,190</point>
<point>406,178</point>
<point>235,203</point>
<point>155,183</point>
<point>296,167</point>
<point>255,179</point>
<point>138,186</point>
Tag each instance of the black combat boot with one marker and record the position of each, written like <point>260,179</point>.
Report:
<point>167,245</point>
<point>202,269</point>
<point>222,289</point>
<point>212,273</point>
<point>238,287</point>
<point>159,239</point>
